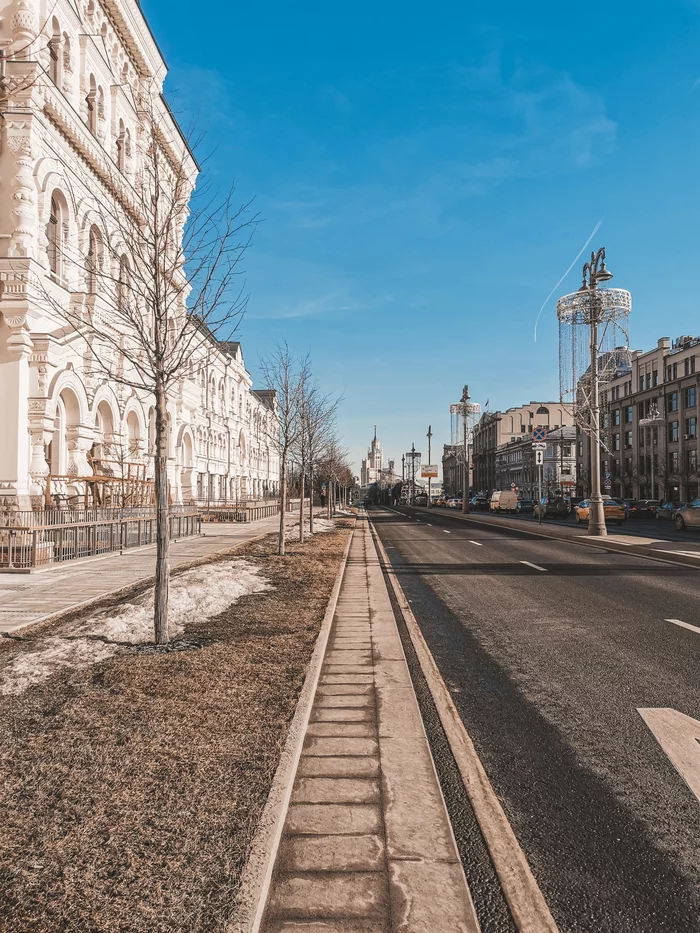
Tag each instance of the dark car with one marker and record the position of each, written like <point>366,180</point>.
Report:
<point>551,507</point>
<point>668,510</point>
<point>479,504</point>
<point>525,505</point>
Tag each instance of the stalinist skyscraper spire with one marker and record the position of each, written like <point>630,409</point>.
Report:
<point>372,466</point>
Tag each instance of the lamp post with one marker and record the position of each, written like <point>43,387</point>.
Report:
<point>653,420</point>
<point>429,436</point>
<point>403,468</point>
<point>593,273</point>
<point>465,483</point>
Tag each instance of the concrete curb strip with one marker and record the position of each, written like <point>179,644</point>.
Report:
<point>527,904</point>
<point>257,874</point>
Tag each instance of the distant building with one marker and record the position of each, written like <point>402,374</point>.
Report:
<point>453,468</point>
<point>496,429</point>
<point>371,469</point>
<point>516,464</point>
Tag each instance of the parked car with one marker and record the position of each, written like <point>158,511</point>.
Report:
<point>613,511</point>
<point>421,499</point>
<point>479,504</point>
<point>641,508</point>
<point>505,500</point>
<point>525,505</point>
<point>688,516</point>
<point>551,507</point>
<point>668,510</point>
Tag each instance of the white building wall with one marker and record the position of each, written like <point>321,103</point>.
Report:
<point>70,134</point>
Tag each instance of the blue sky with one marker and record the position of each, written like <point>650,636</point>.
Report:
<point>426,173</point>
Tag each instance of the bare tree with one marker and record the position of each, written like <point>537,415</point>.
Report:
<point>318,417</point>
<point>158,287</point>
<point>287,377</point>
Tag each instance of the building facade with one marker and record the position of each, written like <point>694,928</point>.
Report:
<point>371,469</point>
<point>71,139</point>
<point>650,426</point>
<point>495,430</point>
<point>516,464</point>
<point>453,469</point>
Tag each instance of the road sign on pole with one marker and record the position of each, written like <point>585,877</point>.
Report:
<point>539,446</point>
<point>539,433</point>
<point>539,457</point>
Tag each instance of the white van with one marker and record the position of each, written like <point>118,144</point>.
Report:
<point>505,500</point>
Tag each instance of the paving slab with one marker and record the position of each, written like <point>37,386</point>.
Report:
<point>367,846</point>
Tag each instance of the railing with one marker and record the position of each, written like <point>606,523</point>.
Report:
<point>23,548</point>
<point>250,511</point>
<point>43,517</point>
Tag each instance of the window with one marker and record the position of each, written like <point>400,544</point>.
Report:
<point>691,427</point>
<point>628,439</point>
<point>628,414</point>
<point>123,284</point>
<point>672,431</point>
<point>54,233</point>
<point>616,416</point>
<point>672,402</point>
<point>616,441</point>
<point>55,53</point>
<point>690,397</point>
<point>628,465</point>
<point>121,147</point>
<point>566,450</point>
<point>673,461</point>
<point>691,461</point>
<point>641,383</point>
<point>91,101</point>
<point>94,261</point>
<point>580,448</point>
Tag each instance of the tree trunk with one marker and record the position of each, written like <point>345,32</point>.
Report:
<point>301,506</point>
<point>283,503</point>
<point>311,500</point>
<point>162,577</point>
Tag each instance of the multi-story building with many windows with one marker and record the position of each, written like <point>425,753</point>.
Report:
<point>650,425</point>
<point>72,131</point>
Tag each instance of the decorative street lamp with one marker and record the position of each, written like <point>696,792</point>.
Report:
<point>653,420</point>
<point>604,313</point>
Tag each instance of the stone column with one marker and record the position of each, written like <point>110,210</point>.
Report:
<point>15,446</point>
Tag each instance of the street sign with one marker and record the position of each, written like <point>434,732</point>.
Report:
<point>539,457</point>
<point>607,484</point>
<point>539,446</point>
<point>539,433</point>
<point>607,475</point>
<point>428,471</point>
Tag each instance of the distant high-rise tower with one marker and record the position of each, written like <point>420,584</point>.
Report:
<point>372,465</point>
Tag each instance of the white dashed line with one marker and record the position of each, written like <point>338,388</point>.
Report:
<point>693,628</point>
<point>477,543</point>
<point>535,566</point>
<point>446,531</point>
<point>428,524</point>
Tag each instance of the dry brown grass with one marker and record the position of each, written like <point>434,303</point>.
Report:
<point>131,790</point>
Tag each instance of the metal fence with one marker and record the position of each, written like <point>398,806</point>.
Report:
<point>251,511</point>
<point>44,517</point>
<point>23,548</point>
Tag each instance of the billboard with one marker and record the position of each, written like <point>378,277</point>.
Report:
<point>429,471</point>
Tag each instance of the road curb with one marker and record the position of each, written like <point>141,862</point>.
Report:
<point>603,544</point>
<point>525,899</point>
<point>258,872</point>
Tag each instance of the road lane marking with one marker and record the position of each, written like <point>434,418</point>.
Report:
<point>446,531</point>
<point>693,628</point>
<point>536,566</point>
<point>679,737</point>
<point>477,543</point>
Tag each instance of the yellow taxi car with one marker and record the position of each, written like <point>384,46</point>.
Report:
<point>613,511</point>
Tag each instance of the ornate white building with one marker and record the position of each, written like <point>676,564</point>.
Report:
<point>69,138</point>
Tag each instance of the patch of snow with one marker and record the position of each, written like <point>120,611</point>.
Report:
<point>195,596</point>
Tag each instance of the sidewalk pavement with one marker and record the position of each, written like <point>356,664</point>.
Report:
<point>28,598</point>
<point>367,844</point>
<point>678,552</point>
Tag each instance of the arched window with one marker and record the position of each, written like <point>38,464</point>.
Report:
<point>121,154</point>
<point>125,73</point>
<point>55,53</point>
<point>123,283</point>
<point>95,259</point>
<point>67,63</point>
<point>91,101</point>
<point>54,233</point>
<point>100,103</point>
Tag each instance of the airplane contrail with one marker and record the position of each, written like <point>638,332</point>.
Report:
<point>578,256</point>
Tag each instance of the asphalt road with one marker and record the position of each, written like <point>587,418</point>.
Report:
<point>549,649</point>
